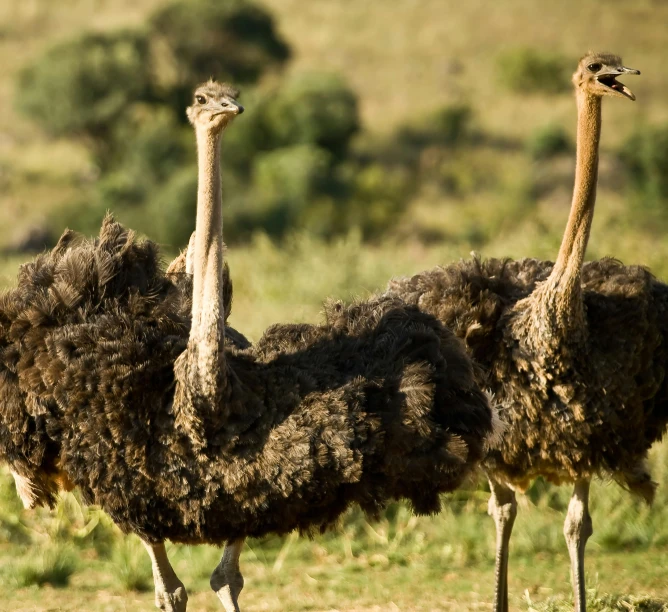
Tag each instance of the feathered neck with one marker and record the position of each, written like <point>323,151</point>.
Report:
<point>557,304</point>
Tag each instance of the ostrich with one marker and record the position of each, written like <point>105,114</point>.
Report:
<point>574,354</point>
<point>179,436</point>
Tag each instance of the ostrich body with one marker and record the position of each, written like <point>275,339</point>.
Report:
<point>575,353</point>
<point>180,436</point>
<point>23,437</point>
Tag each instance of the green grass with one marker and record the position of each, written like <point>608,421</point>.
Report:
<point>605,603</point>
<point>131,565</point>
<point>52,564</point>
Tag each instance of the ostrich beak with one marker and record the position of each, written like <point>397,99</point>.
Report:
<point>609,79</point>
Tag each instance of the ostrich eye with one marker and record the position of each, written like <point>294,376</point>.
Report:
<point>200,99</point>
<point>223,103</point>
<point>595,67</point>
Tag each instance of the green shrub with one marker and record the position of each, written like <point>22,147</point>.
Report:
<point>448,126</point>
<point>150,148</point>
<point>525,70</point>
<point>549,141</point>
<point>300,187</point>
<point>226,39</point>
<point>152,143</point>
<point>292,174</point>
<point>82,86</point>
<point>171,210</point>
<point>645,157</point>
<point>286,182</point>
<point>317,109</point>
<point>308,109</point>
<point>378,196</point>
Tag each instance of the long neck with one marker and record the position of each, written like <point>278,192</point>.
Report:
<point>563,287</point>
<point>207,333</point>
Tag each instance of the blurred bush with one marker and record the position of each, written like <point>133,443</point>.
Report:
<point>288,179</point>
<point>169,214</point>
<point>313,108</point>
<point>448,127</point>
<point>150,142</point>
<point>84,86</point>
<point>288,164</point>
<point>232,40</point>
<point>377,197</point>
<point>548,141</point>
<point>645,157</point>
<point>317,109</point>
<point>526,70</point>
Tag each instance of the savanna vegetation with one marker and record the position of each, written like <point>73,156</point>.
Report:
<point>378,140</point>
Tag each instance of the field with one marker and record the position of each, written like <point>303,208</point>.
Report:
<point>402,61</point>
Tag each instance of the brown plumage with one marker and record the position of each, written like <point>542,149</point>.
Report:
<point>575,354</point>
<point>377,403</point>
<point>477,299</point>
<point>124,267</point>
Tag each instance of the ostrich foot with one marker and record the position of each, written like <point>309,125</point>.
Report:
<point>577,530</point>
<point>171,602</point>
<point>170,594</point>
<point>503,509</point>
<point>226,580</point>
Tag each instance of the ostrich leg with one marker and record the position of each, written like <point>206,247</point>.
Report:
<point>226,580</point>
<point>577,529</point>
<point>503,508</point>
<point>170,594</point>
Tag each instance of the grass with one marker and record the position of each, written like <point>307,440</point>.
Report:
<point>53,564</point>
<point>131,565</point>
<point>356,585</point>
<point>605,603</point>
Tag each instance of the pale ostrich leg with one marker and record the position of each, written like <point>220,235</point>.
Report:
<point>170,594</point>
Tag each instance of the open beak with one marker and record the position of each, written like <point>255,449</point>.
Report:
<point>609,79</point>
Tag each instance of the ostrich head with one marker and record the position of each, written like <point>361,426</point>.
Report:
<point>214,106</point>
<point>597,76</point>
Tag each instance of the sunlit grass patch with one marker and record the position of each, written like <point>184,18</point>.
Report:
<point>53,564</point>
<point>130,564</point>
